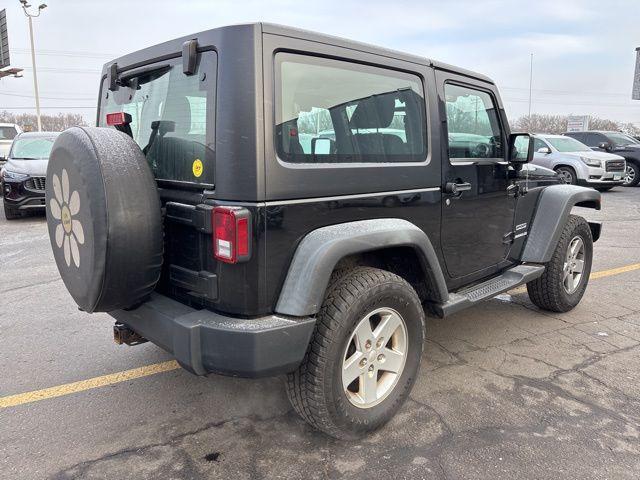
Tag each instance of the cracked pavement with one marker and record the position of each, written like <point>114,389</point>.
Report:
<point>505,391</point>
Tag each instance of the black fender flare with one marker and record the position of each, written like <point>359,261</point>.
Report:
<point>551,214</point>
<point>320,251</point>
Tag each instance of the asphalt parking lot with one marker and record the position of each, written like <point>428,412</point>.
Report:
<point>505,392</point>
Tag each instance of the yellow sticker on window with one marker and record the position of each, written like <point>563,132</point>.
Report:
<point>197,167</point>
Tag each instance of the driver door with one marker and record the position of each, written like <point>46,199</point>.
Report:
<point>477,208</point>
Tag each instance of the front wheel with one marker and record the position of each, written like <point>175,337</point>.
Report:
<point>567,175</point>
<point>364,355</point>
<point>564,281</point>
<point>631,175</point>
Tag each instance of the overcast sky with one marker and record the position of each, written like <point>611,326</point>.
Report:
<point>584,50</point>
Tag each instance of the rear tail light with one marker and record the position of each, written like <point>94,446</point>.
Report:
<point>231,234</point>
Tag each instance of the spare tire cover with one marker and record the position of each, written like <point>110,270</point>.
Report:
<point>104,218</point>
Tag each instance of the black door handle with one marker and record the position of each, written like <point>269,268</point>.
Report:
<point>457,188</point>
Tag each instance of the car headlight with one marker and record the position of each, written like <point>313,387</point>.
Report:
<point>9,175</point>
<point>592,162</point>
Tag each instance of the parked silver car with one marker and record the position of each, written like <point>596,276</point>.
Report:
<point>8,132</point>
<point>576,163</point>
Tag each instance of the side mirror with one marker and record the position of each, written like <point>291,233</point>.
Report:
<point>604,145</point>
<point>545,150</point>
<point>520,148</point>
<point>321,146</point>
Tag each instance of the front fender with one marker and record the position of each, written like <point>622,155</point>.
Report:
<point>552,212</point>
<point>319,252</point>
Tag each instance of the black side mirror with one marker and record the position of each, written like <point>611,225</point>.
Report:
<point>604,145</point>
<point>322,146</point>
<point>520,148</point>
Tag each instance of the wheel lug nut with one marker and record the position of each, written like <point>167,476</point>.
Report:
<point>367,344</point>
<point>381,358</point>
<point>379,342</point>
<point>371,368</point>
<point>363,362</point>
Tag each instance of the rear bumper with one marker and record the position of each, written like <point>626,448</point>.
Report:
<point>206,342</point>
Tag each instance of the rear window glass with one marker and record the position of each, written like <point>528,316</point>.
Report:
<point>34,148</point>
<point>8,133</point>
<point>329,111</point>
<point>172,118</point>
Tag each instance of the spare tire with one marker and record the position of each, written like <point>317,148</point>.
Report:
<point>104,218</point>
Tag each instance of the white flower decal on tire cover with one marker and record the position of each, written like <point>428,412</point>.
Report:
<point>64,206</point>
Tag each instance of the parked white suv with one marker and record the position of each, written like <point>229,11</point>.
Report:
<point>8,131</point>
<point>578,164</point>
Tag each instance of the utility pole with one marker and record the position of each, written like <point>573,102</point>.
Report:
<point>31,16</point>
<point>530,87</point>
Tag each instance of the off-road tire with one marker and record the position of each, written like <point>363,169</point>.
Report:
<point>11,213</point>
<point>315,389</point>
<point>547,292</point>
<point>636,178</point>
<point>570,171</point>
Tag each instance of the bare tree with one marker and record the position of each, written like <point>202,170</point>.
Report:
<point>556,124</point>
<point>50,123</point>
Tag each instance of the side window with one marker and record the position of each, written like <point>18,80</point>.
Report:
<point>330,111</point>
<point>538,144</point>
<point>578,136</point>
<point>473,125</point>
<point>592,139</point>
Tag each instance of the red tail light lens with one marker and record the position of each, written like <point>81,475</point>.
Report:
<point>118,118</point>
<point>231,234</point>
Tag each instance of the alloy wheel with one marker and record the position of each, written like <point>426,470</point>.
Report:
<point>629,175</point>
<point>573,265</point>
<point>374,358</point>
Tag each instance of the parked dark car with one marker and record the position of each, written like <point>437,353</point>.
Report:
<point>24,175</point>
<point>615,142</point>
<point>210,214</point>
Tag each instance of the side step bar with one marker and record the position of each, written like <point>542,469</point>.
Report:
<point>470,296</point>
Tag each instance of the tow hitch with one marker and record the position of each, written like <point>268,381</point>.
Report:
<point>123,334</point>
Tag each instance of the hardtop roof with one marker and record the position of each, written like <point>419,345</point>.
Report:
<point>130,60</point>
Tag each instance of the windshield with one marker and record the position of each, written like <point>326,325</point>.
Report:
<point>171,118</point>
<point>8,133</point>
<point>34,148</point>
<point>567,144</point>
<point>620,139</point>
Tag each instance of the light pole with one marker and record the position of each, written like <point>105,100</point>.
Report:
<point>31,16</point>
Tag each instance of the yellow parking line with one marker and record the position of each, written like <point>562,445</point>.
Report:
<point>96,382</point>
<point>593,276</point>
<point>118,377</point>
<point>615,271</point>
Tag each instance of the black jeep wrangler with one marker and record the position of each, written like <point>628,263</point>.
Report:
<point>260,200</point>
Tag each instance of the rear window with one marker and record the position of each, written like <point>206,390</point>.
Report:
<point>8,133</point>
<point>32,148</point>
<point>330,111</point>
<point>172,117</point>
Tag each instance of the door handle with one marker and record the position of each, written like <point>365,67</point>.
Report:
<point>457,188</point>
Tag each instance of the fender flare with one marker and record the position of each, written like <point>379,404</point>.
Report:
<point>320,251</point>
<point>551,215</point>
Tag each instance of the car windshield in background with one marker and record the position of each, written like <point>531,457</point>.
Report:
<point>567,144</point>
<point>35,148</point>
<point>170,118</point>
<point>8,133</point>
<point>620,139</point>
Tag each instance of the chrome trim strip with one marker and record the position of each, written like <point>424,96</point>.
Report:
<point>348,197</point>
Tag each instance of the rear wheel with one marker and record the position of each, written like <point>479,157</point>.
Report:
<point>11,213</point>
<point>567,175</point>
<point>564,281</point>
<point>364,355</point>
<point>631,176</point>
